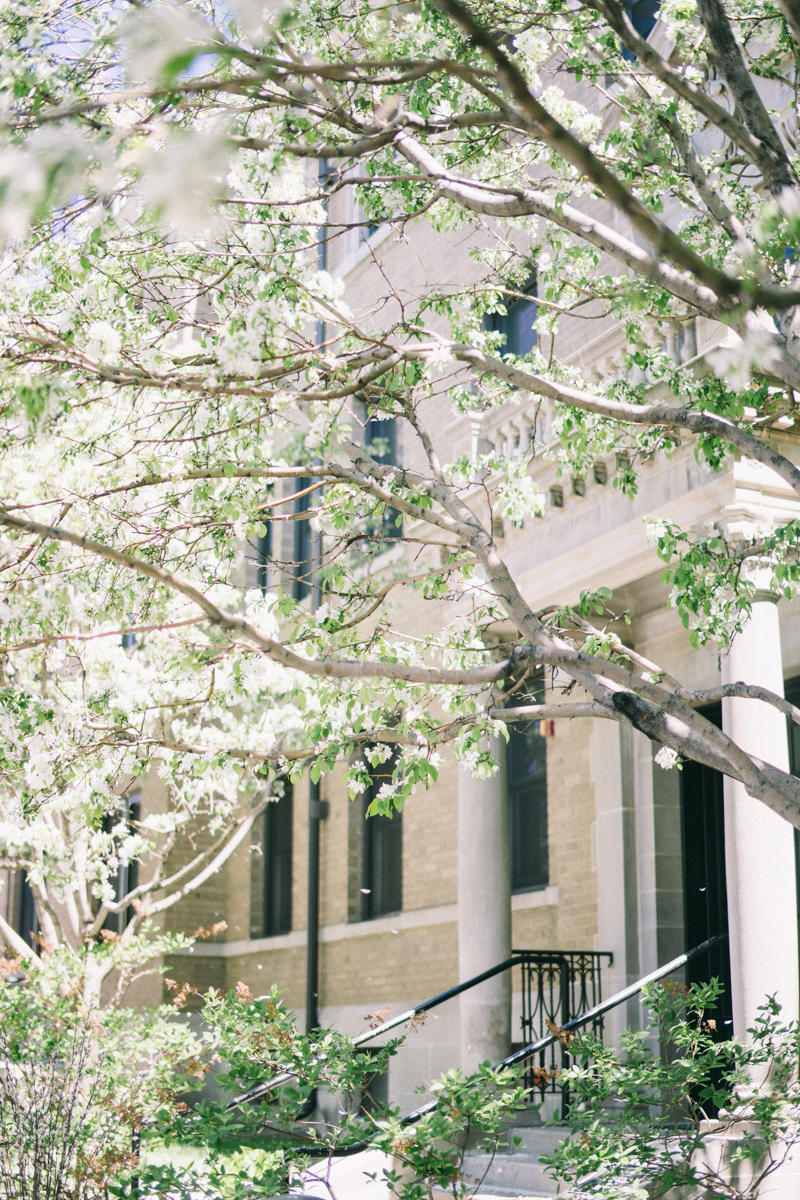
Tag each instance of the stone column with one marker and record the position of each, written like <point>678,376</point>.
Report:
<point>759,855</point>
<point>484,912</point>
<point>759,845</point>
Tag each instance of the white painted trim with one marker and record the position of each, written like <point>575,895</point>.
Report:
<point>356,257</point>
<point>543,898</point>
<point>415,918</point>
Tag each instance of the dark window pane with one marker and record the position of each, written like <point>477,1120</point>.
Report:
<point>643,16</point>
<point>526,764</point>
<point>521,336</point>
<point>516,324</point>
<point>380,436</point>
<point>303,552</point>
<point>257,559</point>
<point>263,555</point>
<point>278,838</point>
<point>127,875</point>
<point>382,857</point>
<point>28,920</point>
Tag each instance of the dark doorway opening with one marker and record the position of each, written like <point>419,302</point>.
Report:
<point>791,690</point>
<point>705,897</point>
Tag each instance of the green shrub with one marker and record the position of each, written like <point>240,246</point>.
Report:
<point>642,1121</point>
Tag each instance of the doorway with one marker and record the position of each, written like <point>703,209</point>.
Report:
<point>705,897</point>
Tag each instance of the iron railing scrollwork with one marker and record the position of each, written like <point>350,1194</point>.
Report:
<point>557,985</point>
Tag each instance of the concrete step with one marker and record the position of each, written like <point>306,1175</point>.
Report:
<point>516,1172</point>
<point>508,1174</point>
<point>535,1139</point>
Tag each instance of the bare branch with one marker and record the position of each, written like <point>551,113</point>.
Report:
<point>766,152</point>
<point>665,242</point>
<point>234,624</point>
<point>489,200</point>
<point>644,414</point>
<point>747,691</point>
<point>216,863</point>
<point>90,637</point>
<point>772,161</point>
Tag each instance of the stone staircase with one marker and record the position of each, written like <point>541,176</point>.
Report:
<point>516,1171</point>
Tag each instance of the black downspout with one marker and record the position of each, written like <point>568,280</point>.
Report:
<point>317,812</point>
<point>323,176</point>
<point>315,815</point>
<point>317,809</point>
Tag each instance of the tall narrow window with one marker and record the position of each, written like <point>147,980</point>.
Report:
<point>381,856</point>
<point>272,868</point>
<point>303,551</point>
<point>263,556</point>
<point>127,874</point>
<point>257,560</point>
<point>380,437</point>
<point>516,324</point>
<point>27,917</point>
<point>526,766</point>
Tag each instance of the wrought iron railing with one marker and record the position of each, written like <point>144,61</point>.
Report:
<point>578,987</point>
<point>557,985</point>
<point>584,1017</point>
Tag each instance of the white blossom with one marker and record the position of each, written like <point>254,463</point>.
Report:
<point>735,360</point>
<point>667,758</point>
<point>103,342</point>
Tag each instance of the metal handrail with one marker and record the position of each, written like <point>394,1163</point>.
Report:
<point>585,1018</point>
<point>518,1055</point>
<point>262,1089</point>
<point>590,1015</point>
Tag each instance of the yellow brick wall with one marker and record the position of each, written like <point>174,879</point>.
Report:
<point>571,815</point>
<point>418,962</point>
<point>284,969</point>
<point>413,964</point>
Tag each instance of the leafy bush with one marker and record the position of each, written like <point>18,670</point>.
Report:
<point>655,1117</point>
<point>257,1040</point>
<point>77,1080</point>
